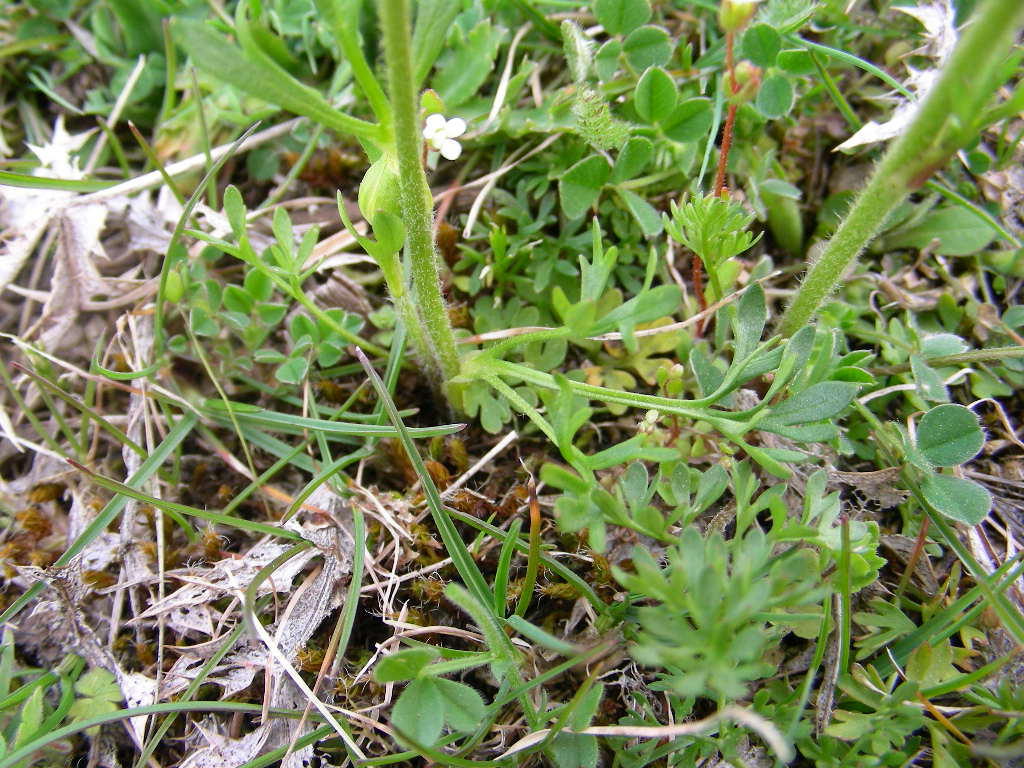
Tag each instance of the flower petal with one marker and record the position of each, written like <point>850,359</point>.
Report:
<point>435,123</point>
<point>455,127</point>
<point>451,149</point>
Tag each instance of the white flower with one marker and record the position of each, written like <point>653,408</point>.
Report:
<point>441,135</point>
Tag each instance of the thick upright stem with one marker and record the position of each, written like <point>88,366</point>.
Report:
<point>439,355</point>
<point>942,125</point>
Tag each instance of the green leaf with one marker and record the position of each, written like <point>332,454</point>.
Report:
<point>389,230</point>
<point>302,325</point>
<point>234,209</point>
<point>646,215</point>
<point>647,47</point>
<point>98,684</point>
<point>775,98</point>
<point>939,344</point>
<point>462,72</point>
<point>689,121</point>
<point>6,661</point>
<point>404,665</point>
<point>433,21</point>
<point>655,95</point>
<point>463,707</point>
<point>271,314</point>
<point>268,355</point>
<point>580,186</point>
<point>958,499</point>
<point>574,750</point>
<point>958,230</point>
<point>709,378</point>
<point>283,230</point>
<point>606,60</point>
<point>931,665</point>
<point>796,62</point>
<point>1014,316</point>
<point>632,160</point>
<point>292,371</point>
<point>419,711</point>
<point>949,435</point>
<point>261,77</point>
<point>929,382</point>
<point>748,324</point>
<point>710,487</point>
<point>98,694</point>
<point>761,45</point>
<point>237,300</point>
<point>650,305</point>
<point>258,284</point>
<point>201,323</point>
<point>564,479</point>
<point>634,482</point>
<point>620,17</point>
<point>31,718</point>
<point>780,188</point>
<point>819,401</point>
<point>140,26</point>
<point>587,708</point>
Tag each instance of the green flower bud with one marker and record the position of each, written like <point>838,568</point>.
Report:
<point>380,188</point>
<point>174,288</point>
<point>733,15</point>
<point>748,78</point>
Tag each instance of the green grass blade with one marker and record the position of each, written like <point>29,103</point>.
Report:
<point>456,547</point>
<point>170,506</point>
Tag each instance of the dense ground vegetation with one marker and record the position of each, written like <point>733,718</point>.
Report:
<point>446,383</point>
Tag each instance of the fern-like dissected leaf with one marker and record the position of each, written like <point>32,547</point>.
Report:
<point>712,227</point>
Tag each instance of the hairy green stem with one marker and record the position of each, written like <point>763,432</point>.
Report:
<point>945,120</point>
<point>439,356</point>
<point>990,355</point>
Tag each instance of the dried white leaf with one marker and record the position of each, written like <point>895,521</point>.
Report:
<point>139,691</point>
<point>222,751</point>
<point>940,39</point>
<point>56,157</point>
<point>25,213</point>
<point>191,619</point>
<point>213,582</point>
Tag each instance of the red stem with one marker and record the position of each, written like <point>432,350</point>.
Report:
<point>723,157</point>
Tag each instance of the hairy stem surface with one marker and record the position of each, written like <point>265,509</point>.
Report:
<point>945,121</point>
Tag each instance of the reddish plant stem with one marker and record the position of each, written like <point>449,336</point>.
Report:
<point>723,157</point>
<point>721,190</point>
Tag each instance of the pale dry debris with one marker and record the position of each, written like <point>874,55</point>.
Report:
<point>58,624</point>
<point>25,213</point>
<point>1005,186</point>
<point>207,584</point>
<point>311,602</point>
<point>940,39</point>
<point>221,750</point>
<point>877,486</point>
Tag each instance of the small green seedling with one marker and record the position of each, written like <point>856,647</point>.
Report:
<point>429,702</point>
<point>96,693</point>
<point>947,436</point>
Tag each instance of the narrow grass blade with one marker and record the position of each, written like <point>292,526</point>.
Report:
<point>170,506</point>
<point>456,547</point>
